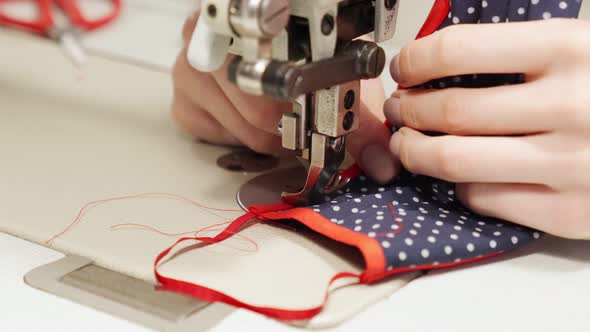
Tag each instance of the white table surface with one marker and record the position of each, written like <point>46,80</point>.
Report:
<point>545,290</point>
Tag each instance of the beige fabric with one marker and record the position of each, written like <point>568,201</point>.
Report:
<point>67,138</point>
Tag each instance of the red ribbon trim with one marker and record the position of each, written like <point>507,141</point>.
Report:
<point>437,16</point>
<point>211,295</point>
<point>375,262</point>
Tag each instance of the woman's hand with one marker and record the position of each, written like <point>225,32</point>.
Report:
<point>520,152</point>
<point>211,108</point>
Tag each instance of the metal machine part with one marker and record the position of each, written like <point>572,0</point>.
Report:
<point>266,188</point>
<point>286,80</point>
<point>80,280</point>
<point>306,52</point>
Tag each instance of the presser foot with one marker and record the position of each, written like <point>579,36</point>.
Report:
<point>323,177</point>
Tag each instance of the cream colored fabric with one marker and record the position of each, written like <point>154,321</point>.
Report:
<point>67,138</point>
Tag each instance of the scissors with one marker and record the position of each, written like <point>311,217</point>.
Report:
<point>65,32</point>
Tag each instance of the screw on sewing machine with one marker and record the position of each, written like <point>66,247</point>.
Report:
<point>212,10</point>
<point>328,24</point>
<point>349,99</point>
<point>390,4</point>
<point>348,121</point>
<point>349,117</point>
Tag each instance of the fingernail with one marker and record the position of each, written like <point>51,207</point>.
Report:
<point>376,161</point>
<point>392,111</point>
<point>395,143</point>
<point>394,69</point>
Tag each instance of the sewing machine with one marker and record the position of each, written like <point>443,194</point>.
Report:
<point>112,140</point>
<point>306,52</point>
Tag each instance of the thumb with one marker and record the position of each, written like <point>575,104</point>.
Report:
<point>369,145</point>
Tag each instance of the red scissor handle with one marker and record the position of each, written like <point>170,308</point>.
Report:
<point>45,22</point>
<point>41,25</point>
<point>72,10</point>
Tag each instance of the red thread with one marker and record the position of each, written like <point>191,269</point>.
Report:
<point>149,228</point>
<point>136,196</point>
<point>195,233</point>
<point>400,226</point>
<point>352,172</point>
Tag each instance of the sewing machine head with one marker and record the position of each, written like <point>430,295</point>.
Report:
<point>307,52</point>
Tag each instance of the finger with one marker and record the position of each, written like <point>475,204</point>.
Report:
<point>368,145</point>
<point>189,27</point>
<point>487,111</point>
<point>198,123</point>
<point>557,213</point>
<point>260,111</point>
<point>472,159</point>
<point>481,48</point>
<point>203,90</point>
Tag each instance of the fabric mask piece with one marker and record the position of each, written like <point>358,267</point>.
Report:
<point>418,221</point>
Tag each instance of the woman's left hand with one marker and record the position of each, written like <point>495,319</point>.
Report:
<point>520,152</point>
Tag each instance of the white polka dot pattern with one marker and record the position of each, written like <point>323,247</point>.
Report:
<point>419,222</point>
<point>495,11</point>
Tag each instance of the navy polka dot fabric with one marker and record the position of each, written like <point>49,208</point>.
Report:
<point>417,220</point>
